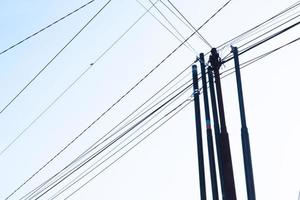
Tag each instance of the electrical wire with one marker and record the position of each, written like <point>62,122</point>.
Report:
<point>257,58</point>
<point>242,66</point>
<point>180,13</point>
<point>52,59</point>
<point>125,153</point>
<point>110,143</point>
<point>129,91</point>
<point>72,84</point>
<point>176,30</point>
<point>264,40</point>
<point>269,31</point>
<point>244,34</point>
<point>160,22</point>
<point>247,63</point>
<point>100,161</point>
<point>46,27</point>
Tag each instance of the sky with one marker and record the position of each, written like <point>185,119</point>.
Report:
<point>164,166</point>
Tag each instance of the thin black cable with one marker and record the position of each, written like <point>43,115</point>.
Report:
<point>72,84</point>
<point>268,31</point>
<point>126,151</point>
<point>95,146</point>
<point>251,61</point>
<point>176,30</point>
<point>98,164</point>
<point>108,145</point>
<point>161,23</point>
<point>56,55</point>
<point>264,40</point>
<point>46,27</point>
<point>257,58</point>
<point>247,63</point>
<point>122,97</point>
<point>180,13</point>
<point>261,24</point>
<point>265,33</point>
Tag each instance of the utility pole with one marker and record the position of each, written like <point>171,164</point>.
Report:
<point>216,126</point>
<point>199,134</point>
<point>229,186</point>
<point>213,177</point>
<point>244,130</point>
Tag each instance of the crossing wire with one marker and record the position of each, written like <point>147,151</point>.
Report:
<point>288,19</point>
<point>94,155</point>
<point>56,100</point>
<point>243,65</point>
<point>122,97</point>
<point>257,58</point>
<point>161,23</point>
<point>95,145</point>
<point>72,84</point>
<point>170,23</point>
<point>264,40</point>
<point>46,27</point>
<point>247,63</point>
<point>56,55</point>
<point>126,152</point>
<point>180,13</point>
<point>244,34</point>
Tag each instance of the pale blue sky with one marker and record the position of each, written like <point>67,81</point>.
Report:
<point>165,165</point>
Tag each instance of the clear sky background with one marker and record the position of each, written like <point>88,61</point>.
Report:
<point>165,165</point>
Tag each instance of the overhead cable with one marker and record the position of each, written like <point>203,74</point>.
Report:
<point>46,27</point>
<point>53,58</point>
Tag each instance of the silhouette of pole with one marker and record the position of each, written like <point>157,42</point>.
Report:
<point>199,134</point>
<point>210,145</point>
<point>216,126</point>
<point>229,186</point>
<point>244,130</point>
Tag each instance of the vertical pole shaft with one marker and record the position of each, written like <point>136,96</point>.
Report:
<point>199,134</point>
<point>216,127</point>
<point>229,185</point>
<point>213,176</point>
<point>244,130</point>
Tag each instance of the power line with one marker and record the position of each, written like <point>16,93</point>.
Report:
<point>122,97</point>
<point>285,11</point>
<point>242,66</point>
<point>73,83</point>
<point>56,55</point>
<point>188,47</point>
<point>257,58</point>
<point>51,186</point>
<point>46,27</point>
<point>126,152</point>
<point>201,37</point>
<point>264,40</point>
<point>170,23</point>
<point>269,31</point>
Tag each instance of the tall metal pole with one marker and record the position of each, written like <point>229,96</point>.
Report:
<point>199,134</point>
<point>229,185</point>
<point>244,130</point>
<point>216,127</point>
<point>212,165</point>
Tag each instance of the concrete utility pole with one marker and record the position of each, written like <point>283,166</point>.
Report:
<point>216,126</point>
<point>210,144</point>
<point>199,134</point>
<point>244,130</point>
<point>229,186</point>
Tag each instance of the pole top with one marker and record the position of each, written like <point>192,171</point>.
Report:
<point>214,59</point>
